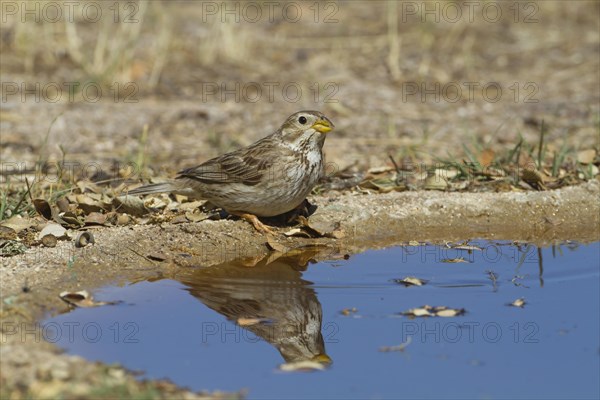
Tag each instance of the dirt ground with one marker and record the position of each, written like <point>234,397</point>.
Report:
<point>125,254</point>
<point>180,86</point>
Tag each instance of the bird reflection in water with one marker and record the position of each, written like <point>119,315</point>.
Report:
<point>270,299</point>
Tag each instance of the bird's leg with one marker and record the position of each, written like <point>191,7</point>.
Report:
<point>259,226</point>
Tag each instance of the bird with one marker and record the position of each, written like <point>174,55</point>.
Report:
<point>267,178</point>
<point>268,298</point>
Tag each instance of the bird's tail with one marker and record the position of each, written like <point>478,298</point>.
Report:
<point>164,187</point>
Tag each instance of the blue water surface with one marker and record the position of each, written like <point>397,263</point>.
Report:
<point>233,327</point>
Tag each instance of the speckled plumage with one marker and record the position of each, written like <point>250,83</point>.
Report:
<point>270,177</point>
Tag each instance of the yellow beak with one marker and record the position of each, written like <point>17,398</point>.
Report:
<point>322,358</point>
<point>322,125</point>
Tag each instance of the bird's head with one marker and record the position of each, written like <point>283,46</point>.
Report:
<point>306,128</point>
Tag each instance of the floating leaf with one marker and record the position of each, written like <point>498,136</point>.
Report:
<point>449,312</point>
<point>410,281</point>
<point>429,311</point>
<point>454,260</point>
<point>348,311</point>
<point>400,347</point>
<point>81,299</point>
<point>520,302</point>
<point>467,247</point>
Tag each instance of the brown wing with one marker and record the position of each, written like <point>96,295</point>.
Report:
<point>247,165</point>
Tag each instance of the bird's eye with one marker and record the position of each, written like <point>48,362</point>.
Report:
<point>302,120</point>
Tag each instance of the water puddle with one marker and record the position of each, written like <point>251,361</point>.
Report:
<point>241,326</point>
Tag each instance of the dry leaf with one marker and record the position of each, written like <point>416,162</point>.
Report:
<point>7,233</point>
<point>63,204</point>
<point>449,312</point>
<point>454,260</point>
<point>435,183</point>
<point>131,205</point>
<point>534,178</point>
<point>526,161</point>
<point>380,170</point>
<point>69,219</point>
<point>157,256</point>
<point>192,205</point>
<point>54,230</point>
<point>486,158</point>
<point>49,241</point>
<point>586,156</point>
<point>410,281</point>
<point>87,186</point>
<point>18,223</point>
<point>43,208</point>
<point>400,347</point>
<point>467,247</point>
<point>274,246</point>
<point>155,203</point>
<point>180,219</point>
<point>520,302</point>
<point>318,228</point>
<point>195,215</point>
<point>446,174</point>
<point>87,204</point>
<point>429,311</point>
<point>95,218</point>
<point>296,232</point>
<point>81,299</point>
<point>123,219</point>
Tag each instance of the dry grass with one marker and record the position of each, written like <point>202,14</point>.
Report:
<point>372,54</point>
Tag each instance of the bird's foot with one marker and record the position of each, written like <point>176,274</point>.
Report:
<point>259,226</point>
